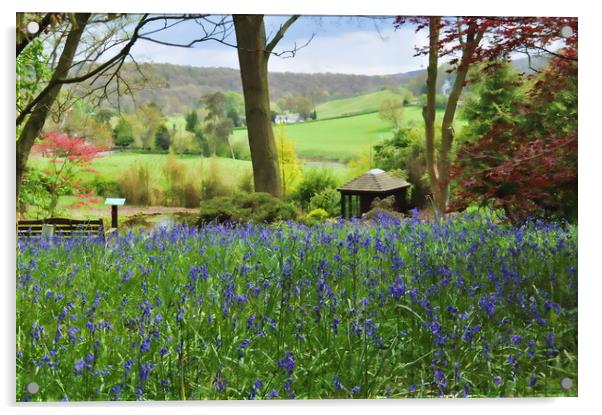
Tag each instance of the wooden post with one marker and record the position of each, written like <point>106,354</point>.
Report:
<point>343,205</point>
<point>113,216</point>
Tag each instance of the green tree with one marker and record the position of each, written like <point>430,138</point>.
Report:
<point>405,152</point>
<point>192,121</point>
<point>493,100</point>
<point>162,138</point>
<point>391,110</point>
<point>122,133</point>
<point>217,127</point>
<point>289,163</point>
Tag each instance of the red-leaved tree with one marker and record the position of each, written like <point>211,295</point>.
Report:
<point>465,41</point>
<point>69,157</point>
<point>528,167</point>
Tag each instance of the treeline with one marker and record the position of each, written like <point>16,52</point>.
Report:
<point>175,89</point>
<point>208,126</point>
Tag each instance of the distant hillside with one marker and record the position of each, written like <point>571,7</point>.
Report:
<point>176,89</point>
<point>356,105</point>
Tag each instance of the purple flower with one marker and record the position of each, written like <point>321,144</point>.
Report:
<point>288,363</point>
<point>146,344</point>
<point>336,382</point>
<point>355,390</point>
<point>79,366</point>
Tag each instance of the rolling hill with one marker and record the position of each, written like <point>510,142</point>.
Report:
<point>361,104</point>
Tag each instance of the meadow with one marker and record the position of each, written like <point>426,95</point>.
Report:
<point>361,104</point>
<point>466,307</point>
<point>342,138</point>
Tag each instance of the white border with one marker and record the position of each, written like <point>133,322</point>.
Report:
<point>589,228</point>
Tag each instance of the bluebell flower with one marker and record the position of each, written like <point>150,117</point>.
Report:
<point>288,363</point>
<point>355,390</point>
<point>336,382</point>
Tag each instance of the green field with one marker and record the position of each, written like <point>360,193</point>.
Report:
<point>354,105</point>
<point>340,138</point>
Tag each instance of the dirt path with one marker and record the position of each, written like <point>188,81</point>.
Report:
<point>126,210</point>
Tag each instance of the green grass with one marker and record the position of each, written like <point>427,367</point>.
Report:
<point>340,138</point>
<point>356,105</point>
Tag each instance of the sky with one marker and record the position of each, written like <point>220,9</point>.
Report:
<point>351,45</point>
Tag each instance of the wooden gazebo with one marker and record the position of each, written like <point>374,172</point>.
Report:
<point>359,193</point>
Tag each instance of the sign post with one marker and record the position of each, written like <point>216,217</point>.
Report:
<point>114,202</point>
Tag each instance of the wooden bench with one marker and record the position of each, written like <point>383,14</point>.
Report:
<point>68,228</point>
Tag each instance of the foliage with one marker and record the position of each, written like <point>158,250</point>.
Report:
<point>328,200</point>
<point>123,135</point>
<point>245,183</point>
<point>315,217</point>
<point>184,184</point>
<point>184,142</point>
<point>362,162</point>
<point>234,107</point>
<point>32,72</point>
<point>34,197</point>
<point>82,120</point>
<point>104,187</point>
<point>217,126</point>
<point>526,164</point>
<point>68,158</point>
<point>391,111</point>
<point>312,183</point>
<point>246,207</point>
<point>162,138</point>
<point>296,104</point>
<point>151,119</point>
<point>213,181</point>
<point>405,152</point>
<point>289,164</point>
<point>493,99</point>
<point>136,186</point>
<point>192,121</point>
<point>398,309</point>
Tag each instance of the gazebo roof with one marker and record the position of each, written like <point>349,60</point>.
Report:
<point>375,180</point>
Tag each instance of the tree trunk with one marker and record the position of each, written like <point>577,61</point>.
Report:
<point>428,112</point>
<point>253,60</point>
<point>447,130</point>
<point>35,123</point>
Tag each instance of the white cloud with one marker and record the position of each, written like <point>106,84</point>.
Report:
<point>357,52</point>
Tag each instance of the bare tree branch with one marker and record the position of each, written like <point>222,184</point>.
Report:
<point>280,34</point>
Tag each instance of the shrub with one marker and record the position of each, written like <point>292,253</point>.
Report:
<point>312,183</point>
<point>287,158</point>
<point>123,135</point>
<point>241,150</point>
<point>316,216</point>
<point>162,138</point>
<point>184,185</point>
<point>252,207</point>
<point>213,183</point>
<point>183,142</point>
<point>328,200</point>
<point>246,183</point>
<point>105,187</point>
<point>135,186</point>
